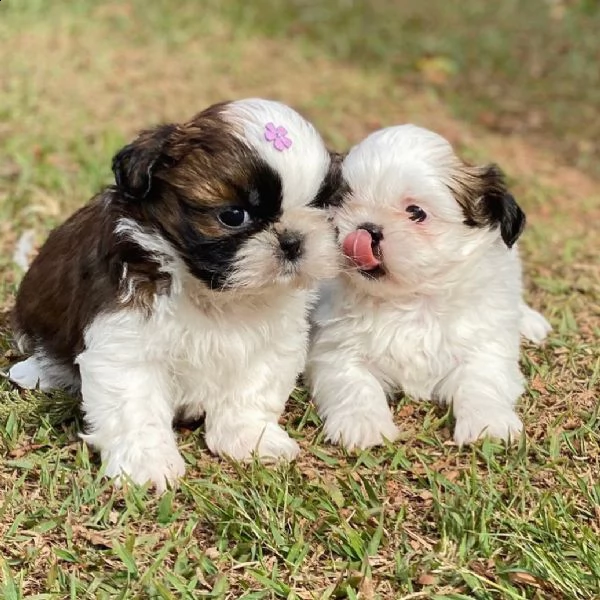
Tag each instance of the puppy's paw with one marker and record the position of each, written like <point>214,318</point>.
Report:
<point>533,325</point>
<point>33,373</point>
<point>264,439</point>
<point>43,373</point>
<point>160,464</point>
<point>361,429</point>
<point>502,424</point>
<point>26,374</point>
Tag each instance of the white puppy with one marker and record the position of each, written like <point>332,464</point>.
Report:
<point>431,299</point>
<point>184,289</point>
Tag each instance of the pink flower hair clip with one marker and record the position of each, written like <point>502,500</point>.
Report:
<point>277,135</point>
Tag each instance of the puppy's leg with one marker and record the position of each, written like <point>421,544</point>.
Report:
<point>244,422</point>
<point>248,430</point>
<point>242,419</point>
<point>351,402</point>
<point>127,406</point>
<point>533,325</point>
<point>483,393</point>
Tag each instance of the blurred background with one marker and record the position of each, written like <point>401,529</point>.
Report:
<point>81,75</point>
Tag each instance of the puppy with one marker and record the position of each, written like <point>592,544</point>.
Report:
<point>184,289</point>
<point>430,300</point>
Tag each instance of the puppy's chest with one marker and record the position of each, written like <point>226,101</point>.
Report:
<point>413,350</point>
<point>219,344</point>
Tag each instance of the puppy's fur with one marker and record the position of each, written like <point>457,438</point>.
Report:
<point>430,301</point>
<point>183,289</point>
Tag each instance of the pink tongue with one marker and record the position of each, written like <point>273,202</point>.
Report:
<point>358,247</point>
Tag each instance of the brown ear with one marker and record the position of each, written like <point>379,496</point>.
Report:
<point>134,165</point>
<point>486,201</point>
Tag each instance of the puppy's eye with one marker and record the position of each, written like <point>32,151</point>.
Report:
<point>416,213</point>
<point>234,216</point>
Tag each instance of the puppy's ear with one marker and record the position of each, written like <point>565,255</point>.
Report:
<point>486,202</point>
<point>508,214</point>
<point>134,166</point>
<point>334,188</point>
<point>501,207</point>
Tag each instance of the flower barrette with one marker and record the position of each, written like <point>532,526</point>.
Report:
<point>277,135</point>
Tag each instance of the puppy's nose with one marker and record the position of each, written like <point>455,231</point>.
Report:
<point>375,231</point>
<point>291,243</point>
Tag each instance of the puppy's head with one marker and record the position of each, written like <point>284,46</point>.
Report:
<point>234,193</point>
<point>415,212</point>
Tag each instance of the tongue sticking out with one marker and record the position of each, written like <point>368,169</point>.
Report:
<point>358,246</point>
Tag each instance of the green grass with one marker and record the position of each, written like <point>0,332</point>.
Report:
<point>417,519</point>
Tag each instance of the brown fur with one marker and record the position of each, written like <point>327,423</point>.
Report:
<point>77,275</point>
<point>484,198</point>
<point>180,160</point>
<point>171,180</point>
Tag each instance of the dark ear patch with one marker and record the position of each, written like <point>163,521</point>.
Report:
<point>505,211</point>
<point>486,202</point>
<point>135,164</point>
<point>334,188</point>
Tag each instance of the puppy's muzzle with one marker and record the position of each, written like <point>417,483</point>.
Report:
<point>292,244</point>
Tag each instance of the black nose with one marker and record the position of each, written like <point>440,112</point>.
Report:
<point>375,231</point>
<point>291,243</point>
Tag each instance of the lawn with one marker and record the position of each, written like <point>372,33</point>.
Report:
<point>420,518</point>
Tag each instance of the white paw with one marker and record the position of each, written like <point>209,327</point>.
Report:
<point>502,424</point>
<point>264,439</point>
<point>159,464</point>
<point>360,429</point>
<point>533,325</point>
<point>43,373</point>
<point>27,374</point>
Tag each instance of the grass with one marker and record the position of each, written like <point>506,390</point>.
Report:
<point>417,519</point>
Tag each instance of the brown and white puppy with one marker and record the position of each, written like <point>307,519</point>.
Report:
<point>184,288</point>
<point>430,301</point>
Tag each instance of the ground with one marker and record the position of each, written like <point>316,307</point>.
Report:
<point>420,518</point>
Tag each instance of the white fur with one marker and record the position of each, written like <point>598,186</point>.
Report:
<point>24,249</point>
<point>533,326</point>
<point>236,362</point>
<point>442,324</point>
<point>302,166</point>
